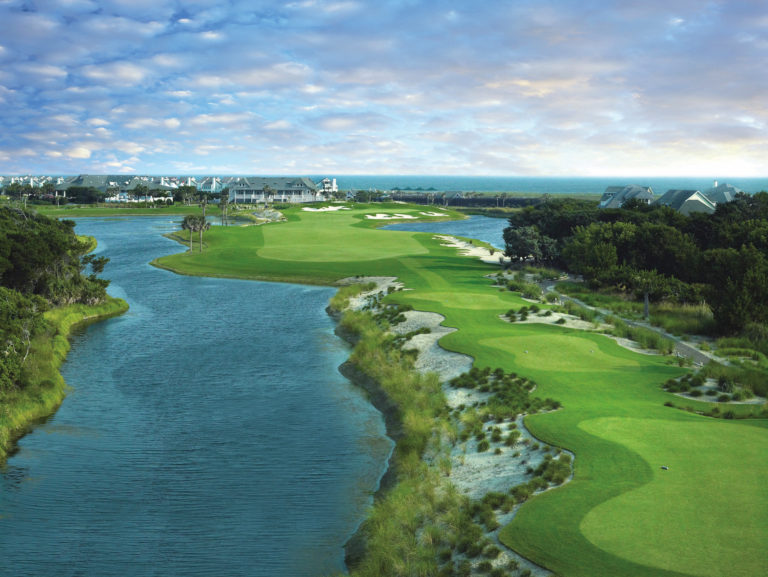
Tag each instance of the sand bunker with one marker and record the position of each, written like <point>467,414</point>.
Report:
<point>382,216</point>
<point>326,208</point>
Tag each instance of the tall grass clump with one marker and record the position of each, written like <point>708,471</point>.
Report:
<point>646,338</point>
<point>526,289</point>
<point>737,375</point>
<point>42,387</point>
<point>340,301</point>
<point>580,311</point>
<point>683,319</point>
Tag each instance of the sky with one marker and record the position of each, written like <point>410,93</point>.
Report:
<point>455,87</point>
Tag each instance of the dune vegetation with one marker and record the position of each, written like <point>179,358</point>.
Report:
<point>656,490</point>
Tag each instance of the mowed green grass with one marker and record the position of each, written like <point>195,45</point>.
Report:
<point>621,515</point>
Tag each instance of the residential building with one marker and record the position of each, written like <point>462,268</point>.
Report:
<point>253,190</point>
<point>686,201</point>
<point>616,196</point>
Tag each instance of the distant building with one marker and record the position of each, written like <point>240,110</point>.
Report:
<point>329,186</point>
<point>616,196</point>
<point>253,190</point>
<point>722,192</point>
<point>686,201</point>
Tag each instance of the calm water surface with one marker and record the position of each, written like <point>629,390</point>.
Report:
<point>487,229</point>
<point>208,432</point>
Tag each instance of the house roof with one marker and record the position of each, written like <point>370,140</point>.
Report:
<point>275,183</point>
<point>722,193</point>
<point>615,196</point>
<point>686,201</point>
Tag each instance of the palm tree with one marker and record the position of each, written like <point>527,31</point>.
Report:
<point>224,206</point>
<point>189,223</point>
<point>202,226</point>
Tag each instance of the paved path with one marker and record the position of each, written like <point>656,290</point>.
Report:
<point>681,348</point>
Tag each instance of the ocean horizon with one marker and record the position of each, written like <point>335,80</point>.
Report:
<point>538,184</point>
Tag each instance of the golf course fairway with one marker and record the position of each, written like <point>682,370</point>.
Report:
<point>621,515</point>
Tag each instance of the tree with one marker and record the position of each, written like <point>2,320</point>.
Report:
<point>141,190</point>
<point>738,283</point>
<point>184,193</point>
<point>648,281</point>
<point>189,223</point>
<point>202,226</point>
<point>85,194</point>
<point>224,206</point>
<point>522,243</point>
<point>267,191</point>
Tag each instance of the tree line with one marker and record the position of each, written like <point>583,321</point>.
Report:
<point>657,253</point>
<point>43,264</point>
<point>46,193</point>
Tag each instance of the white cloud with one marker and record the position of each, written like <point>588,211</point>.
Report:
<point>79,152</point>
<point>172,123</point>
<point>116,73</point>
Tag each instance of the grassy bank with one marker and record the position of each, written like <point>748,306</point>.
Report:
<point>44,388</point>
<point>622,514</point>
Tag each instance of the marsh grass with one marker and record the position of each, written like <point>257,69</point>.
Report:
<point>683,319</point>
<point>42,387</point>
<point>340,301</point>
<point>646,338</point>
<point>416,525</point>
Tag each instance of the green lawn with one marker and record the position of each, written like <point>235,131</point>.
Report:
<point>621,515</point>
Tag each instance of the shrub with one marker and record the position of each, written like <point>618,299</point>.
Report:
<point>483,446</point>
<point>484,566</point>
<point>492,552</point>
<point>724,398</point>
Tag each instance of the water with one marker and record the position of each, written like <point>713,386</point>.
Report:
<point>208,432</point>
<point>487,229</point>
<point>541,184</point>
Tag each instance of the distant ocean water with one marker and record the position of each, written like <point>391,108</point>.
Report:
<point>549,185</point>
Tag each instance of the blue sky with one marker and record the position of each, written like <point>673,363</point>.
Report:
<point>539,87</point>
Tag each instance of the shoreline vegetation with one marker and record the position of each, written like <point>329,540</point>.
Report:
<point>434,486</point>
<point>46,388</point>
<point>49,285</point>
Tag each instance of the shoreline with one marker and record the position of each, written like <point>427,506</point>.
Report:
<point>41,399</point>
<point>474,474</point>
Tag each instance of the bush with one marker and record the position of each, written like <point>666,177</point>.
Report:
<point>483,446</point>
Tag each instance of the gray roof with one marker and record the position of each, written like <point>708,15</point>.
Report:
<point>722,193</point>
<point>615,196</point>
<point>275,183</point>
<point>686,201</point>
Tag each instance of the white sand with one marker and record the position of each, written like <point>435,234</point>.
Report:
<point>382,285</point>
<point>432,213</point>
<point>383,216</point>
<point>326,208</point>
<point>468,249</point>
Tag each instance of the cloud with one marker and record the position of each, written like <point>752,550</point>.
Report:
<point>417,86</point>
<point>78,152</point>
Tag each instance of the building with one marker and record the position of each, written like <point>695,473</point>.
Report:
<point>722,192</point>
<point>686,201</point>
<point>253,190</point>
<point>616,196</point>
